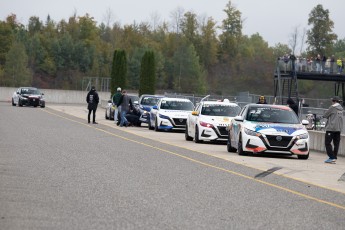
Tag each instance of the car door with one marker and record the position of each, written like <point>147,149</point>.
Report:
<point>235,127</point>
<point>16,96</point>
<point>153,113</point>
<point>193,119</point>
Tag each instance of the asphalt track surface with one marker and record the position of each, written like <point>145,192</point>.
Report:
<point>58,172</point>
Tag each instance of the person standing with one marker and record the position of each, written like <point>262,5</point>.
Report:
<point>318,63</point>
<point>125,103</point>
<point>262,100</point>
<point>92,99</point>
<point>340,65</point>
<point>116,100</point>
<point>334,125</point>
<point>332,64</point>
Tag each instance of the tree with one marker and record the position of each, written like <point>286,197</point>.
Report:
<point>16,71</point>
<point>320,37</point>
<point>189,75</point>
<point>118,71</point>
<point>232,31</point>
<point>148,74</point>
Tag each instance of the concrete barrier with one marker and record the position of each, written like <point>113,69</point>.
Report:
<point>56,95</point>
<point>317,138</point>
<point>317,142</point>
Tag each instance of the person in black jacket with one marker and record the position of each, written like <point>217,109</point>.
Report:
<point>92,99</point>
<point>291,103</point>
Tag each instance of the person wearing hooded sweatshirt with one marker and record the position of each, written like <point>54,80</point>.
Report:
<point>92,100</point>
<point>333,128</point>
<point>291,103</point>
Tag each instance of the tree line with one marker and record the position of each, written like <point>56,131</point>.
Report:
<point>190,54</point>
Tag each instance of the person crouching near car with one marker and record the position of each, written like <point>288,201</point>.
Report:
<point>92,99</point>
<point>334,125</point>
<point>125,103</point>
<point>133,117</point>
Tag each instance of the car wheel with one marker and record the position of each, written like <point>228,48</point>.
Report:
<point>156,126</point>
<point>229,147</point>
<point>14,104</point>
<point>240,148</point>
<point>150,126</point>
<point>106,115</point>
<point>196,138</point>
<point>20,103</point>
<point>303,157</point>
<point>187,137</point>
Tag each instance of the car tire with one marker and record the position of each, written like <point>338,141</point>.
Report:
<point>196,137</point>
<point>187,137</point>
<point>13,104</point>
<point>149,125</point>
<point>20,103</point>
<point>240,147</point>
<point>229,147</point>
<point>106,116</point>
<point>156,126</point>
<point>303,157</point>
<point>111,115</point>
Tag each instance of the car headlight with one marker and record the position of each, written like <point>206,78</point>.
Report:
<point>163,116</point>
<point>205,124</point>
<point>251,132</point>
<point>303,136</point>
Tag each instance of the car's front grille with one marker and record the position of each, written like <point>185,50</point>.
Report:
<point>278,141</point>
<point>222,130</point>
<point>34,101</point>
<point>180,121</point>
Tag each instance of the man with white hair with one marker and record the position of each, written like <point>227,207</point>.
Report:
<point>116,100</point>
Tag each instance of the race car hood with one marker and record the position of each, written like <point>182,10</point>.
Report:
<point>31,95</point>
<point>217,120</point>
<point>175,113</point>
<point>272,128</point>
<point>146,107</point>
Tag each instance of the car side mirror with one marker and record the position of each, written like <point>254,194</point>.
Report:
<point>109,101</point>
<point>305,122</point>
<point>42,94</point>
<point>238,118</point>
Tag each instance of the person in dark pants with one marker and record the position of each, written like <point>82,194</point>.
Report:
<point>92,99</point>
<point>125,103</point>
<point>333,128</point>
<point>133,117</point>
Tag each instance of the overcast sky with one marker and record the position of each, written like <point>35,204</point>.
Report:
<point>274,20</point>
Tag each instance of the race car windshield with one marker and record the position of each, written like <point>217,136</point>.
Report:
<point>150,101</point>
<point>30,91</point>
<point>177,105</point>
<point>220,110</point>
<point>272,115</point>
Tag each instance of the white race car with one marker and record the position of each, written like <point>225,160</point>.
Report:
<point>262,128</point>
<point>210,120</point>
<point>170,113</point>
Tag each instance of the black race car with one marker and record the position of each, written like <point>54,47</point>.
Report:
<point>28,96</point>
